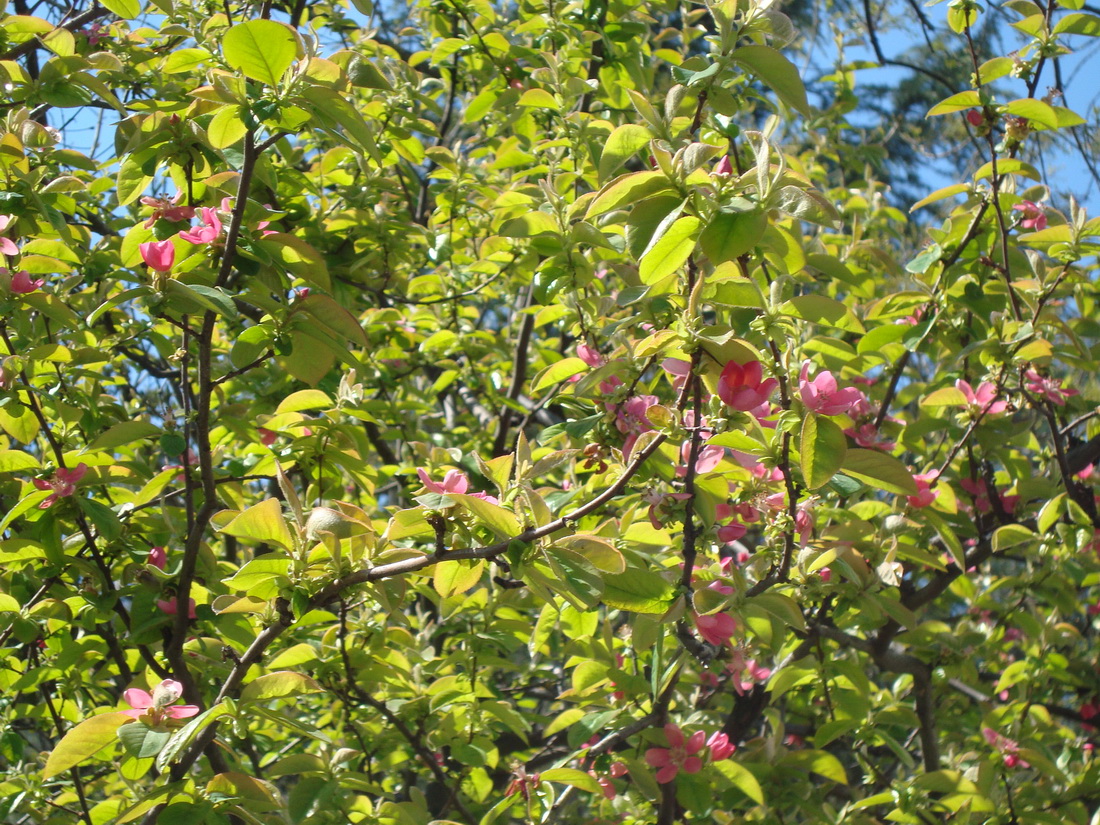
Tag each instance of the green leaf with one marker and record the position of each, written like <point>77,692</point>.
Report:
<point>670,252</point>
<point>19,422</point>
<point>880,470</point>
<point>121,434</point>
<point>207,297</point>
<point>142,741</point>
<point>450,578</point>
<point>261,49</point>
<point>822,449</point>
<point>557,372</point>
<point>121,298</point>
<point>742,779</point>
<point>335,318</point>
<point>279,685</point>
<point>258,575</point>
<point>305,400</point>
<point>622,144</point>
<point>776,71</point>
<point>184,736</point>
<point>1011,535</point>
<point>627,189</point>
<point>1009,166</point>
<point>641,591</point>
<point>126,9</point>
<point>571,776</point>
<point>956,103</point>
<point>1043,114</point>
<point>501,521</point>
<point>940,194</point>
<point>729,235</point>
<point>17,461</point>
<point>226,127</point>
<point>263,522</point>
<point>944,397</point>
<point>84,741</point>
<point>531,224</point>
<point>576,578</point>
<point>822,310</point>
<point>822,763</point>
<point>538,99</point>
<point>601,553</point>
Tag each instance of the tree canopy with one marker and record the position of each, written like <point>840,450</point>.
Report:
<point>460,412</point>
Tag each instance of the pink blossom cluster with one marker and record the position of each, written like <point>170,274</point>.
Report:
<point>7,245</point>
<point>1008,748</point>
<point>683,753</point>
<point>743,387</point>
<point>1033,215</point>
<point>982,401</point>
<point>21,283</point>
<point>455,481</point>
<point>1049,388</point>
<point>63,483</point>
<point>160,705</point>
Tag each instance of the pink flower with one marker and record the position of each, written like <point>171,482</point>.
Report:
<point>95,33</point>
<point>717,628</point>
<point>710,456</point>
<point>975,117</point>
<point>1034,216</point>
<point>7,246</point>
<point>267,437</point>
<point>679,755</point>
<point>679,369</point>
<point>159,255</point>
<point>826,574</point>
<point>21,283</point>
<point>167,209</point>
<point>455,481</point>
<point>590,356</point>
<point>741,387</point>
<point>980,492</point>
<point>867,435</point>
<point>158,557</point>
<point>983,400</point>
<point>822,396</point>
<point>731,531</point>
<point>155,709</point>
<point>724,167</point>
<point>63,483</point>
<point>1006,746</point>
<point>925,495</point>
<point>756,673</point>
<point>171,607</point>
<point>631,419</point>
<point>720,746</point>
<point>1049,388</point>
<point>209,232</point>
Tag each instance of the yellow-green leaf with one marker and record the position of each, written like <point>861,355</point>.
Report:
<point>458,576</point>
<point>558,371</point>
<point>226,127</point>
<point>279,685</point>
<point>621,145</point>
<point>822,449</point>
<point>571,776</point>
<point>776,71</point>
<point>880,470</point>
<point>304,400</point>
<point>83,741</point>
<point>263,522</point>
<point>260,49</point>
<point>956,103</point>
<point>670,252</point>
